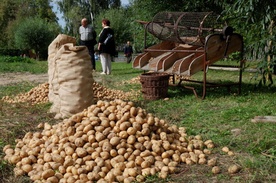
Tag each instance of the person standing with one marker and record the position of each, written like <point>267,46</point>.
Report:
<point>88,38</point>
<point>106,46</point>
<point>128,52</point>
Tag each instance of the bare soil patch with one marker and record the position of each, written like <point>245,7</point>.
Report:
<point>11,78</point>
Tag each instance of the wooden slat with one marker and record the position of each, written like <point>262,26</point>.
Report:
<point>264,119</point>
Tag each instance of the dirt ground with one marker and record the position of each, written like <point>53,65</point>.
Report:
<point>10,78</point>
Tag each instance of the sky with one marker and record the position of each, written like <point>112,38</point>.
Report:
<point>59,15</point>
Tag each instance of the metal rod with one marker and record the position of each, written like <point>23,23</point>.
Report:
<point>188,28</point>
<point>188,51</point>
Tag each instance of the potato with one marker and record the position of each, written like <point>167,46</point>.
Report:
<point>14,159</point>
<point>47,173</point>
<point>194,157</point>
<point>132,172</point>
<point>107,146</point>
<point>129,180</point>
<point>139,160</point>
<point>215,170</point>
<point>131,139</point>
<point>133,111</point>
<point>207,151</point>
<point>81,152</point>
<point>212,162</point>
<point>57,158</point>
<point>225,149</point>
<point>234,169</point>
<point>231,153</point>
<point>176,157</point>
<point>99,136</point>
<point>131,130</point>
<point>110,177</point>
<point>123,134</point>
<point>166,161</point>
<point>189,161</point>
<point>210,145</point>
<point>47,157</point>
<point>112,117</point>
<point>53,179</point>
<point>27,168</point>
<point>163,175</point>
<point>105,155</point>
<point>202,161</point>
<point>115,141</point>
<point>145,164</point>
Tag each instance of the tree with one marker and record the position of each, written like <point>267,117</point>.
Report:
<point>37,8</point>
<point>119,23</point>
<point>35,33</point>
<point>255,20</point>
<point>7,14</point>
<point>13,12</point>
<point>74,10</point>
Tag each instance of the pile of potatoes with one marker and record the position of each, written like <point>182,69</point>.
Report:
<point>36,95</point>
<point>103,93</point>
<point>111,141</point>
<point>39,94</point>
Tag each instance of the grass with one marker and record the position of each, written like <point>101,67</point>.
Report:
<point>19,64</point>
<point>222,116</point>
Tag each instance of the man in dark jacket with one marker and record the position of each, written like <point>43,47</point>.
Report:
<point>128,52</point>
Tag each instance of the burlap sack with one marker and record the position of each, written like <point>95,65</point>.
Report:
<point>74,71</point>
<point>70,78</point>
<point>53,48</point>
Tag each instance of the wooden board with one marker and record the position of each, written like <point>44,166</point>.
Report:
<point>136,63</point>
<point>153,63</point>
<point>216,46</point>
<point>264,119</point>
<point>196,65</point>
<point>143,59</point>
<point>175,57</point>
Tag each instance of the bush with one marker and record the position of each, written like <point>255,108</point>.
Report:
<point>35,34</point>
<point>10,52</point>
<point>10,59</point>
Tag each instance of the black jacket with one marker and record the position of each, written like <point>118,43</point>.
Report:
<point>110,47</point>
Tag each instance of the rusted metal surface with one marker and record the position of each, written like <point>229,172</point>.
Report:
<point>189,42</point>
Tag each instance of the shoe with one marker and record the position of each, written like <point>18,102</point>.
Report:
<point>102,73</point>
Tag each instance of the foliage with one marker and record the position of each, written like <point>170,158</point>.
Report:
<point>7,10</point>
<point>9,59</point>
<point>255,20</point>
<point>35,33</point>
<point>10,52</point>
<point>74,10</point>
<point>13,12</point>
<point>36,8</point>
<point>119,23</point>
